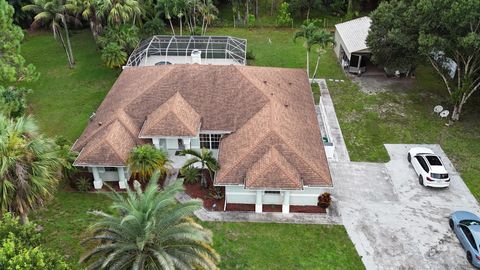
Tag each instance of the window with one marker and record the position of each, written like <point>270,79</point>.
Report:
<point>210,141</point>
<point>469,236</point>
<point>110,169</point>
<point>272,192</point>
<point>205,141</point>
<point>440,175</point>
<point>434,160</point>
<point>422,163</point>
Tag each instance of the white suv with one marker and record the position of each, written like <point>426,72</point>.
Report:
<point>429,167</point>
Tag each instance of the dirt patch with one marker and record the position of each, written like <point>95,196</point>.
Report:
<point>380,83</point>
<point>198,192</point>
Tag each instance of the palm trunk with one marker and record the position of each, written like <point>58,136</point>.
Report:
<point>308,63</point>
<point>245,20</point>
<point>457,110</point>
<point>256,9</point>
<point>64,47</point>
<point>68,42</point>
<point>171,26</point>
<point>308,13</point>
<point>271,8</point>
<point>24,218</point>
<point>316,67</point>
<point>181,25</point>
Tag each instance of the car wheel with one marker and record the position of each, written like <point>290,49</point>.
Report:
<point>469,258</point>
<point>450,222</point>
<point>409,158</point>
<point>420,180</point>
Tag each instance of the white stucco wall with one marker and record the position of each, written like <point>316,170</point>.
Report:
<point>307,196</point>
<point>111,176</point>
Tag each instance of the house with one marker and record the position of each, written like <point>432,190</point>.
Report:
<point>260,123</point>
<point>350,44</point>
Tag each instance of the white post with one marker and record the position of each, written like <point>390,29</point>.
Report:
<point>122,181</point>
<point>359,64</point>
<point>286,202</point>
<point>258,202</point>
<point>156,142</point>
<point>97,181</point>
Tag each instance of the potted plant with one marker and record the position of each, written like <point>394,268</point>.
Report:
<point>324,200</point>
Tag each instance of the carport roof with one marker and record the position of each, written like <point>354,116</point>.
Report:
<point>354,34</point>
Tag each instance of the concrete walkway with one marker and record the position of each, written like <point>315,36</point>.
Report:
<point>335,131</point>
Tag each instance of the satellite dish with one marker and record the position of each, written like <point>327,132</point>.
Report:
<point>438,109</point>
<point>444,113</point>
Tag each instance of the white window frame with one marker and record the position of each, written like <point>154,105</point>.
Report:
<point>209,140</point>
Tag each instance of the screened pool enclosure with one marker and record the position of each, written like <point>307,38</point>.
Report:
<point>166,50</point>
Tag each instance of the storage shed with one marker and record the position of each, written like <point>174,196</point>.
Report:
<point>350,44</point>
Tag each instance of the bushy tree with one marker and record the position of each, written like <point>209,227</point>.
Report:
<point>20,247</point>
<point>449,37</point>
<point>13,67</point>
<point>284,17</point>
<point>393,36</point>
<point>13,102</point>
<point>150,230</point>
<point>113,56</point>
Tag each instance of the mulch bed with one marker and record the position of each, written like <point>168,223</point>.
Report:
<point>196,191</point>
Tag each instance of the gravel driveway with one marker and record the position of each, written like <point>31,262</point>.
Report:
<point>393,221</point>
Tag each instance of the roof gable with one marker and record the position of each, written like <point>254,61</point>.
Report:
<point>175,117</point>
<point>273,170</point>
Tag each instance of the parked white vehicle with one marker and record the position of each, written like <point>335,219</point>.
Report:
<point>429,167</point>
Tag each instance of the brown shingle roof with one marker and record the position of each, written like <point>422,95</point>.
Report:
<point>263,108</point>
<point>175,117</point>
<point>273,170</point>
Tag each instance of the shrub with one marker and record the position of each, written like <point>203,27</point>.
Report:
<point>284,17</point>
<point>216,193</point>
<point>250,20</point>
<point>324,200</point>
<point>26,234</point>
<point>13,102</point>
<point>14,255</point>
<point>156,26</point>
<point>190,174</point>
<point>250,55</point>
<point>113,56</point>
<point>83,184</point>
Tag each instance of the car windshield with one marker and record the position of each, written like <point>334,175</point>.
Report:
<point>440,175</point>
<point>469,222</point>
<point>434,160</point>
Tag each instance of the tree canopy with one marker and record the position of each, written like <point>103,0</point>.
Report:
<point>13,67</point>
<point>446,32</point>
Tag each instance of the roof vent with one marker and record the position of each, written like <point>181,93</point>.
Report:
<point>265,82</point>
<point>286,105</point>
<point>196,56</point>
<point>100,123</point>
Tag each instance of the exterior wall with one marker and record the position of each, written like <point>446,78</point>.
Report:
<point>307,196</point>
<point>337,44</point>
<point>110,176</point>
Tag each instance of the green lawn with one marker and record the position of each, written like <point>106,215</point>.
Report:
<point>62,101</point>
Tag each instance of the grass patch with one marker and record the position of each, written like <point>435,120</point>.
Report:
<point>63,98</point>
<point>283,246</point>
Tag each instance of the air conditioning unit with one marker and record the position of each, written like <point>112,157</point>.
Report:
<point>196,57</point>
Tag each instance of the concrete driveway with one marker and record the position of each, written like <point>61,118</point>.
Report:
<point>393,221</point>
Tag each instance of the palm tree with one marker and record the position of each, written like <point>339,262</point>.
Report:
<point>307,32</point>
<point>166,7</point>
<point>54,14</point>
<point>88,10</point>
<point>119,11</point>
<point>145,160</point>
<point>209,12</point>
<point>29,166</point>
<point>205,158</point>
<point>150,230</point>
<point>323,39</point>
